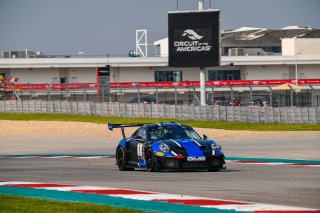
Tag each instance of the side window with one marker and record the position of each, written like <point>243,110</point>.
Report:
<point>142,132</point>
<point>135,133</point>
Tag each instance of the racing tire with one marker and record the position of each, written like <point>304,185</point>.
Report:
<point>151,161</point>
<point>122,159</point>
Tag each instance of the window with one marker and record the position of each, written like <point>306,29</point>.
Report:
<point>142,133</point>
<point>219,75</point>
<point>63,80</point>
<point>163,76</point>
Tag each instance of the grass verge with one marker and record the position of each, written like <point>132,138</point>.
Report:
<point>21,204</point>
<point>201,124</point>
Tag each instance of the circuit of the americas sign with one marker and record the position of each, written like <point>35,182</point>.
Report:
<point>194,38</point>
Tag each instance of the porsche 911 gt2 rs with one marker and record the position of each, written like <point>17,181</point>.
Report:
<point>170,146</point>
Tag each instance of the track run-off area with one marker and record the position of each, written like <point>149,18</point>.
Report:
<point>262,175</point>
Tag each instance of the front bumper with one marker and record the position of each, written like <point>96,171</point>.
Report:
<point>211,162</point>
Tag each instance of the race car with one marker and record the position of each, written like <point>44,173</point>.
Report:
<point>167,146</point>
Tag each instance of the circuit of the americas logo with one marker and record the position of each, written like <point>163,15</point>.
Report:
<point>191,41</point>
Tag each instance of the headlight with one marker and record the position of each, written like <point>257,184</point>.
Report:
<point>215,147</point>
<point>164,147</point>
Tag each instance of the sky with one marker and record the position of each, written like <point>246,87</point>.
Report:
<point>101,27</point>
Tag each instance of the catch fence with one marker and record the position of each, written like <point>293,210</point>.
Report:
<point>260,93</point>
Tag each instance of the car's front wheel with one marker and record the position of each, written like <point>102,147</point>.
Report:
<point>121,159</point>
<point>151,161</point>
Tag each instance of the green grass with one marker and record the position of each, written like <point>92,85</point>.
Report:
<point>202,124</point>
<point>20,204</point>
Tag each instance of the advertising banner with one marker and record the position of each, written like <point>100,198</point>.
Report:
<point>194,38</point>
<point>182,84</point>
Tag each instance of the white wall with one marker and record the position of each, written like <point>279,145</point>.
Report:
<point>303,46</point>
<point>265,72</point>
<point>288,46</point>
<point>84,75</point>
<point>309,71</point>
<point>134,74</point>
<point>163,44</point>
<point>35,76</point>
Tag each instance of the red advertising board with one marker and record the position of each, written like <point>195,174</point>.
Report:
<point>128,85</point>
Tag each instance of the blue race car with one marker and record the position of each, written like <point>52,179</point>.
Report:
<point>167,146</point>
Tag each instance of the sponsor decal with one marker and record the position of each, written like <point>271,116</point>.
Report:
<point>160,154</point>
<point>196,158</point>
<point>140,150</point>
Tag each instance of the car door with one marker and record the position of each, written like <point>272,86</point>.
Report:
<point>137,144</point>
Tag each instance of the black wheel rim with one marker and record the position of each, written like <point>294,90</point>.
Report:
<point>149,159</point>
<point>120,157</point>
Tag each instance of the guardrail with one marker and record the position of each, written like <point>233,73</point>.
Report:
<point>305,115</point>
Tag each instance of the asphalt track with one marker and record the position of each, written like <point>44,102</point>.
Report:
<point>273,184</point>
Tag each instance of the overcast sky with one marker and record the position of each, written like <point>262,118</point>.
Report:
<point>98,27</point>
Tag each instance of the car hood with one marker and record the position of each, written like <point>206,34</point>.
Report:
<point>192,147</point>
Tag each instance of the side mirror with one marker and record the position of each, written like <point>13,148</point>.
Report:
<point>205,137</point>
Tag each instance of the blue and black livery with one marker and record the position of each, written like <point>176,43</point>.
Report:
<point>166,146</point>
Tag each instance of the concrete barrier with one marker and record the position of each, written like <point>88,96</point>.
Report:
<point>184,112</point>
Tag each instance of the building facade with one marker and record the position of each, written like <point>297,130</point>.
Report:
<point>246,54</point>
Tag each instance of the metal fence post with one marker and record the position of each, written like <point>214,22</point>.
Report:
<point>312,96</point>
<point>67,92</point>
<point>270,101</point>
<point>250,97</point>
<point>120,93</point>
<point>291,95</point>
<point>157,95</point>
<point>231,90</point>
<point>212,95</point>
<point>48,92</point>
<point>84,93</point>
<point>195,97</point>
<point>175,96</point>
<point>139,95</point>
<point>30,91</point>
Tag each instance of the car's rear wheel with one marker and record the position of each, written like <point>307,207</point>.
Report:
<point>151,161</point>
<point>122,159</point>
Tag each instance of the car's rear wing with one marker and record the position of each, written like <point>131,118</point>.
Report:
<point>111,126</point>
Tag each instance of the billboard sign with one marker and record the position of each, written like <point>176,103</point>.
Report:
<point>194,38</point>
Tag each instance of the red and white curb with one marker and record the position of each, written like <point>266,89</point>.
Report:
<point>270,163</point>
<point>161,197</point>
<point>113,157</point>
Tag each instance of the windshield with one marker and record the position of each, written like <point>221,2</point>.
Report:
<point>172,132</point>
